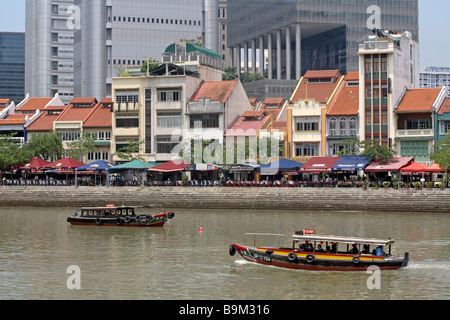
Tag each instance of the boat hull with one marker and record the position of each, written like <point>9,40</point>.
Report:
<point>289,259</point>
<point>157,220</point>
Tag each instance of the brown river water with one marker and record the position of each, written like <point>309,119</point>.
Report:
<point>178,262</point>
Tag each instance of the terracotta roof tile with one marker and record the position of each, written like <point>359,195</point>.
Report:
<point>83,100</point>
<point>445,106</point>
<point>322,74</point>
<point>101,117</point>
<point>4,101</point>
<point>34,104</point>
<point>246,127</point>
<point>14,119</point>
<point>346,101</point>
<point>214,90</point>
<point>418,100</point>
<point>43,123</point>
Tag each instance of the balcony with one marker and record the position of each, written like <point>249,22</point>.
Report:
<point>415,133</point>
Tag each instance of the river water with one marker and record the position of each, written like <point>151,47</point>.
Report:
<point>178,262</point>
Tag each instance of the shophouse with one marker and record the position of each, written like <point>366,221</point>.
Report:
<point>342,115</point>
<point>415,122</point>
<point>306,114</point>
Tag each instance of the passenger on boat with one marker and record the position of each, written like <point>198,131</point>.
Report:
<point>334,248</point>
<point>328,249</point>
<point>319,249</point>
<point>366,249</point>
<point>354,249</point>
<point>302,247</point>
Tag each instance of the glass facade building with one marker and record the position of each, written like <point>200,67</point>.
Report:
<point>12,66</point>
<point>293,36</point>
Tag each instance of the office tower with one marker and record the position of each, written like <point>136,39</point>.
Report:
<point>49,48</point>
<point>12,66</point>
<point>435,77</point>
<point>298,36</point>
<point>388,64</point>
<point>119,34</point>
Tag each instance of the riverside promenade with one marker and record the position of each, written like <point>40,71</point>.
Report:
<point>273,198</point>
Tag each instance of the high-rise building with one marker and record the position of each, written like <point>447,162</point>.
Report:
<point>12,66</point>
<point>435,77</point>
<point>298,36</point>
<point>49,48</point>
<point>119,34</point>
<point>388,64</point>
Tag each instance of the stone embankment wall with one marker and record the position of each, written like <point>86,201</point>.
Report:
<point>348,199</point>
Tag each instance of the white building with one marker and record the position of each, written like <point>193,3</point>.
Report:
<point>388,63</point>
<point>117,34</point>
<point>435,77</point>
<point>49,48</point>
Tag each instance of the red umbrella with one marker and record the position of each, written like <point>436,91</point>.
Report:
<point>414,167</point>
<point>35,163</point>
<point>64,164</point>
<point>171,166</point>
<point>434,168</point>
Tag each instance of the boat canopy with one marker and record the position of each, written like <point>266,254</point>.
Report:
<point>341,239</point>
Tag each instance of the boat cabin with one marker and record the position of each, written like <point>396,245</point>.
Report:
<point>107,211</point>
<point>307,241</point>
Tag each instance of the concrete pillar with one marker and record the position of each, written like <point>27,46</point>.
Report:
<point>288,53</point>
<point>238,60</point>
<point>298,51</point>
<point>270,49</point>
<point>246,56</point>
<point>279,54</point>
<point>261,55</point>
<point>253,55</point>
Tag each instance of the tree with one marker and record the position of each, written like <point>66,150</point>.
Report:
<point>78,149</point>
<point>130,152</point>
<point>441,155</point>
<point>250,77</point>
<point>149,65</point>
<point>46,146</point>
<point>372,149</point>
<point>230,74</point>
<point>11,152</point>
<point>377,151</point>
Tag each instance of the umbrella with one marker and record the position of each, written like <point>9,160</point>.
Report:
<point>202,167</point>
<point>413,168</point>
<point>64,164</point>
<point>171,166</point>
<point>280,165</point>
<point>35,164</point>
<point>137,164</point>
<point>99,165</point>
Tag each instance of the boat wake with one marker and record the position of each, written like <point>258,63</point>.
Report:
<point>440,265</point>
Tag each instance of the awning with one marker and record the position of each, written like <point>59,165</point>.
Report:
<point>64,164</point>
<point>284,165</point>
<point>35,164</point>
<point>133,165</point>
<point>171,166</point>
<point>393,166</point>
<point>351,163</point>
<point>434,168</point>
<point>318,165</point>
<point>414,168</point>
<point>202,167</point>
<point>238,168</point>
<point>99,165</point>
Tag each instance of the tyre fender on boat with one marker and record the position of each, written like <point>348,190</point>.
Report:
<point>98,221</point>
<point>292,257</point>
<point>127,219</point>
<point>232,250</point>
<point>119,220</point>
<point>137,218</point>
<point>310,258</point>
<point>356,260</point>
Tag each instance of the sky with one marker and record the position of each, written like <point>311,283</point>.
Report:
<point>434,24</point>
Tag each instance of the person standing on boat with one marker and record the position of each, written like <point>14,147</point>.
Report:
<point>354,249</point>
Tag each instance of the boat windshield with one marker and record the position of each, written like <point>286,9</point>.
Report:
<point>271,240</point>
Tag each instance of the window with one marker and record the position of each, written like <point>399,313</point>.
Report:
<point>169,120</point>
<point>70,135</point>
<point>343,126</point>
<point>127,97</point>
<point>333,127</point>
<point>167,144</point>
<point>127,123</point>
<point>207,120</point>
<point>353,124</point>
<point>445,127</point>
<point>418,124</point>
<point>169,96</point>
<point>307,123</point>
<point>307,149</point>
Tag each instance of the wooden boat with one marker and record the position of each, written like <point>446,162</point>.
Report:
<point>123,216</point>
<point>337,253</point>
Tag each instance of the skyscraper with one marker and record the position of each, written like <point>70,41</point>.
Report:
<point>301,35</point>
<point>117,34</point>
<point>12,66</point>
<point>49,48</point>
